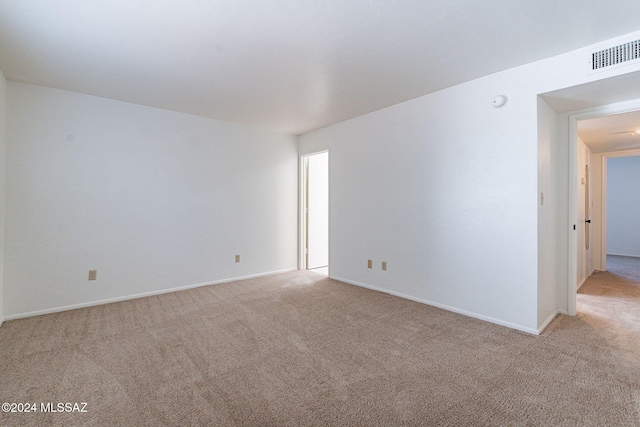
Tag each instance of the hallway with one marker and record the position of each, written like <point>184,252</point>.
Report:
<point>609,302</point>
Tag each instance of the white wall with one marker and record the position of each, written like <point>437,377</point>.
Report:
<point>3,144</point>
<point>445,189</point>
<point>623,206</point>
<point>152,199</point>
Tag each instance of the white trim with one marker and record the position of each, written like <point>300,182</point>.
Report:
<point>627,255</point>
<point>582,283</point>
<point>574,118</point>
<point>141,295</point>
<point>572,274</point>
<point>443,306</point>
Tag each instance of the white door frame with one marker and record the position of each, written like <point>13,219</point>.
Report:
<point>574,118</point>
<point>302,232</point>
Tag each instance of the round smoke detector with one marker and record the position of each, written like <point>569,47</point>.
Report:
<point>499,101</point>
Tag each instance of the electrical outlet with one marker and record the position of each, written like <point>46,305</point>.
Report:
<point>93,274</point>
<point>237,258</point>
<point>384,265</point>
<point>369,263</point>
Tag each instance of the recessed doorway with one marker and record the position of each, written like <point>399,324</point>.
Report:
<point>315,212</point>
<point>604,132</point>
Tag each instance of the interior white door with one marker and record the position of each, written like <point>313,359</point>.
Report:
<point>318,211</point>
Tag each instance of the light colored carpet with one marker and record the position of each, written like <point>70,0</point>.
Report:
<point>609,302</point>
<point>299,349</point>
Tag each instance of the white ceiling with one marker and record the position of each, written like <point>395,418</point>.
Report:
<point>611,133</point>
<point>288,65</point>
<point>608,133</point>
<point>622,88</point>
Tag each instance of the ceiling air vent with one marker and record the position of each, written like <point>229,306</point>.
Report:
<point>615,55</point>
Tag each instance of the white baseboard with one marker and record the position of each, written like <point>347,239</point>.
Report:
<point>141,295</point>
<point>627,255</point>
<point>444,307</point>
<point>581,283</point>
<point>546,322</point>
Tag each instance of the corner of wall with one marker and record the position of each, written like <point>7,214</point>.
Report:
<point>548,225</point>
<point>3,143</point>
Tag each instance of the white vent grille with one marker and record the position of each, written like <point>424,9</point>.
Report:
<point>615,55</point>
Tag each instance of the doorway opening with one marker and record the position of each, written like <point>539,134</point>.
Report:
<point>608,301</point>
<point>315,212</point>
<point>602,132</point>
<point>620,205</point>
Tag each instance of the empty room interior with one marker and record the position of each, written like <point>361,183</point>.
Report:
<point>320,213</point>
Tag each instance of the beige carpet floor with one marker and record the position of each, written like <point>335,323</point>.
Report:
<point>299,349</point>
